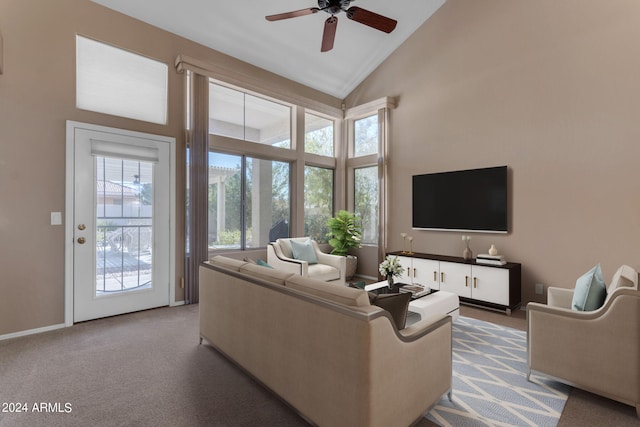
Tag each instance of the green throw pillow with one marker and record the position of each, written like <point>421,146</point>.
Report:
<point>590,291</point>
<point>304,251</point>
<point>262,263</point>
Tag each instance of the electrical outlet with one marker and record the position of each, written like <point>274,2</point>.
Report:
<point>539,288</point>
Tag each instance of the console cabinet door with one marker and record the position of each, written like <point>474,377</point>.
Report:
<point>426,272</point>
<point>456,278</point>
<point>490,285</point>
<point>406,269</point>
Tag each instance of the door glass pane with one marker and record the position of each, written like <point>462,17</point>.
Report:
<point>366,202</point>
<point>267,202</point>
<point>124,223</point>
<point>225,201</point>
<point>318,202</point>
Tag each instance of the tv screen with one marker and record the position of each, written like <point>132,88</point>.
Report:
<point>467,200</point>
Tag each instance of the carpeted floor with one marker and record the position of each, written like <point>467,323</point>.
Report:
<point>147,369</point>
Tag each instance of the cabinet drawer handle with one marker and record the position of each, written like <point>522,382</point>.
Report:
<point>409,271</point>
<point>414,272</point>
<point>441,277</point>
<point>475,282</point>
<point>435,276</point>
<point>466,281</point>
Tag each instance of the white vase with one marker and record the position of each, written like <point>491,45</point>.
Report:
<point>493,251</point>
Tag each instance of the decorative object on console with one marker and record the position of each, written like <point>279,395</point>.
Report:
<point>390,268</point>
<point>467,254</point>
<point>410,239</point>
<point>493,251</point>
<point>345,232</point>
<point>404,239</point>
<point>491,259</point>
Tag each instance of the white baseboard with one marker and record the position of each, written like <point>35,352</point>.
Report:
<point>31,331</point>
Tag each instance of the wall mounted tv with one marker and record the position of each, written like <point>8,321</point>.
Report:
<point>466,200</point>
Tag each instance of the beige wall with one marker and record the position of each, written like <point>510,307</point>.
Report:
<point>37,96</point>
<point>549,88</point>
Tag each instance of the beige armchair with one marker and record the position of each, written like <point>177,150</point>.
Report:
<point>329,268</point>
<point>598,351</point>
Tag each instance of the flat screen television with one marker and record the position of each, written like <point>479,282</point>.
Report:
<point>465,200</point>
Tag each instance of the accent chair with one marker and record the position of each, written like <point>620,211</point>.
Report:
<point>301,255</point>
<point>598,350</point>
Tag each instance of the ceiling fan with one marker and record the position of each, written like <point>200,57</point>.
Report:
<point>333,7</point>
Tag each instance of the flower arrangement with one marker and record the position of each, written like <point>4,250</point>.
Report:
<point>390,267</point>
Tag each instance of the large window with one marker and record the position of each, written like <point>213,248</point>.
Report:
<point>318,201</point>
<point>249,201</point>
<point>239,115</point>
<point>366,191</point>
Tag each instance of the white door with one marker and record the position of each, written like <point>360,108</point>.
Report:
<point>121,220</point>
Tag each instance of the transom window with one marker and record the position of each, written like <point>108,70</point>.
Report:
<point>114,81</point>
<point>239,115</point>
<point>318,135</point>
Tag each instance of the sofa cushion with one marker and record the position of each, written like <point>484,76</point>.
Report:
<point>226,262</point>
<point>304,251</point>
<point>590,291</point>
<point>625,277</point>
<point>396,304</point>
<point>323,272</point>
<point>285,247</point>
<point>329,291</point>
<point>269,274</point>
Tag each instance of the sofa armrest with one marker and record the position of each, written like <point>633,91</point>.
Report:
<point>421,327</point>
<point>277,259</point>
<point>559,297</point>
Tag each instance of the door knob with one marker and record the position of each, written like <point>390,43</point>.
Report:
<point>81,240</point>
<point>81,227</point>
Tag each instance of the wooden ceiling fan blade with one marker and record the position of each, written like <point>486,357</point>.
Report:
<point>371,19</point>
<point>329,33</point>
<point>294,14</point>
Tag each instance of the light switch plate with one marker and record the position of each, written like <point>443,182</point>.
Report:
<point>56,218</point>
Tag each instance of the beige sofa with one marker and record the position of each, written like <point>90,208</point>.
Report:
<point>322,347</point>
<point>598,350</point>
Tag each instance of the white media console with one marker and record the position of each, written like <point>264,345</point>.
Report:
<point>496,287</point>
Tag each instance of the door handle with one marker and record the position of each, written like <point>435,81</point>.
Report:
<point>81,240</point>
<point>81,227</point>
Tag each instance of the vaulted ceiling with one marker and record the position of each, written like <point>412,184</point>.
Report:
<point>290,47</point>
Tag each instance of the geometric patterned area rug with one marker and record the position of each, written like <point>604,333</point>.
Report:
<point>490,386</point>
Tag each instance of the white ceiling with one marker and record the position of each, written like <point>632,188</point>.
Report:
<point>291,47</point>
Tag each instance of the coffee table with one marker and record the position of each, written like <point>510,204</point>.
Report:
<point>440,302</point>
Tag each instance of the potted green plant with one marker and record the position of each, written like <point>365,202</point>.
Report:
<point>345,232</point>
